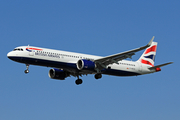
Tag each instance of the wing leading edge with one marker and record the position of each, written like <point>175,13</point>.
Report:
<point>105,61</point>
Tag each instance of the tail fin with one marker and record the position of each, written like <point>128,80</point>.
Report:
<point>149,54</point>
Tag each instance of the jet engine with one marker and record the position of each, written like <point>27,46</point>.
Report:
<point>58,74</point>
<point>85,65</point>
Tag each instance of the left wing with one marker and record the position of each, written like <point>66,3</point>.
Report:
<point>104,62</point>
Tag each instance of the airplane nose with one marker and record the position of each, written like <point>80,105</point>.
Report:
<point>13,56</point>
<point>9,55</point>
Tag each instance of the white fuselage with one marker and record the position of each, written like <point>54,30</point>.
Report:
<point>68,60</point>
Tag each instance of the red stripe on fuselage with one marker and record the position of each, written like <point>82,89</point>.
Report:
<point>33,49</point>
<point>151,49</point>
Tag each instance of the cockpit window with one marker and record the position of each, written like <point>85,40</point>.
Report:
<point>18,49</point>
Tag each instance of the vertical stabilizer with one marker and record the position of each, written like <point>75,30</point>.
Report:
<point>149,54</point>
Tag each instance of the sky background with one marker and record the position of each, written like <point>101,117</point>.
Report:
<point>98,27</point>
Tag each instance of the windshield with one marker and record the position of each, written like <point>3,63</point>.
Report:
<point>18,49</point>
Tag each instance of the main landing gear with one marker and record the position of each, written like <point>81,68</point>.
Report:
<point>78,81</point>
<point>98,75</point>
<point>27,69</point>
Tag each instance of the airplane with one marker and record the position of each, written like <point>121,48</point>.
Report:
<point>65,64</point>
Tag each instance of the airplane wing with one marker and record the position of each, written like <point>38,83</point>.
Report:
<point>105,61</point>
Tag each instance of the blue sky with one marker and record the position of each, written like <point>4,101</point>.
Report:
<point>94,27</point>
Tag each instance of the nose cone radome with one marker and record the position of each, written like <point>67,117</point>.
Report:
<point>10,55</point>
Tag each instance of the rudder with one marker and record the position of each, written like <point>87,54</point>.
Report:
<point>148,57</point>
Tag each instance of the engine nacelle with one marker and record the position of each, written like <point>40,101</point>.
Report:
<point>58,74</point>
<point>85,65</point>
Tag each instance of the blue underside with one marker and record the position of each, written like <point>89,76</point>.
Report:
<point>71,66</point>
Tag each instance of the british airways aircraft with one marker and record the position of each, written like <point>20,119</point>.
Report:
<point>65,64</point>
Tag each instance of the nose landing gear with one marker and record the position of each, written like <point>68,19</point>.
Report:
<point>27,69</point>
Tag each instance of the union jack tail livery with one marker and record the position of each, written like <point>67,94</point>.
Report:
<point>148,57</point>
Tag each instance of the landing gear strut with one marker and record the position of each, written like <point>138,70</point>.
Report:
<point>78,81</point>
<point>27,69</point>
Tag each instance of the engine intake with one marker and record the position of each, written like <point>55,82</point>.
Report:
<point>58,74</point>
<point>85,65</point>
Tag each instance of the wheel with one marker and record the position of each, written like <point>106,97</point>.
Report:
<point>98,76</point>
<point>26,71</point>
<point>78,81</point>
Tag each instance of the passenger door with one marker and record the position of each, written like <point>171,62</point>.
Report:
<point>31,53</point>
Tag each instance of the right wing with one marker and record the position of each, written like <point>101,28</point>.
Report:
<point>105,61</point>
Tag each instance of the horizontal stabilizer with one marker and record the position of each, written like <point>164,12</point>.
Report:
<point>158,66</point>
